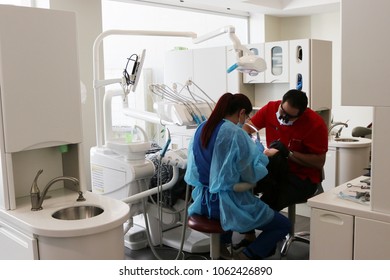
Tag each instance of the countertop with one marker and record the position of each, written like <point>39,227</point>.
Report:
<point>329,200</point>
<point>361,142</point>
<point>42,223</point>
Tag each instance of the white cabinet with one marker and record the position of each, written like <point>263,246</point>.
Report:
<point>371,239</point>
<point>311,71</point>
<point>344,229</point>
<point>39,78</point>
<point>209,71</point>
<point>330,167</point>
<point>346,161</point>
<point>40,106</point>
<point>338,236</point>
<point>16,245</point>
<point>331,235</point>
<point>276,55</point>
<point>365,64</point>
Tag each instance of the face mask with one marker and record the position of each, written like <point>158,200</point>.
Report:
<point>239,124</point>
<point>281,119</point>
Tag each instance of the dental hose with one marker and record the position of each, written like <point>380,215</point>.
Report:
<point>184,227</point>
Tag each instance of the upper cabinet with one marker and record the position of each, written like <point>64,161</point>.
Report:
<point>311,71</point>
<point>39,79</point>
<point>276,56</point>
<point>364,71</point>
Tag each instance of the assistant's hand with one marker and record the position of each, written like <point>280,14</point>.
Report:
<point>270,152</point>
<point>280,147</point>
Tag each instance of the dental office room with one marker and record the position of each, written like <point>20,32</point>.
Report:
<point>108,95</point>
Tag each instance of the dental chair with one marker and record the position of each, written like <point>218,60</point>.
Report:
<point>303,236</point>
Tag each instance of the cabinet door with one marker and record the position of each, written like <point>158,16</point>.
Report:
<point>39,77</point>
<point>16,245</point>
<point>300,57</point>
<point>277,57</point>
<point>371,240</point>
<point>210,71</point>
<point>178,67</point>
<point>330,167</point>
<point>331,235</point>
<point>257,49</point>
<point>365,64</point>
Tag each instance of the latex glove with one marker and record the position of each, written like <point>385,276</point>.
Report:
<point>280,147</point>
<point>259,145</point>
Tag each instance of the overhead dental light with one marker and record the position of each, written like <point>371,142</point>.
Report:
<point>247,62</point>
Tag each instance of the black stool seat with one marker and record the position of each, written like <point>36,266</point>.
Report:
<point>204,224</point>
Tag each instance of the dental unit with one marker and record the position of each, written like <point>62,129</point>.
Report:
<point>119,168</point>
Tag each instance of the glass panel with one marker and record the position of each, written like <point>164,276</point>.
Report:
<point>277,61</point>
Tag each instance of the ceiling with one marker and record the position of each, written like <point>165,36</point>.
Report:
<point>245,7</point>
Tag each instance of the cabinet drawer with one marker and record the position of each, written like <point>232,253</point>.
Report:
<point>331,235</point>
<point>16,245</point>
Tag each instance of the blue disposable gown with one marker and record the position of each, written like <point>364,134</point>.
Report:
<point>235,158</point>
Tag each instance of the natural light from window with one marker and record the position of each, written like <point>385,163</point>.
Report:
<point>126,16</point>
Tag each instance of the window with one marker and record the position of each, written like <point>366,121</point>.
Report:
<point>120,15</point>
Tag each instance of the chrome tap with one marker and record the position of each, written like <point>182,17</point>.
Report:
<point>333,125</point>
<point>37,198</point>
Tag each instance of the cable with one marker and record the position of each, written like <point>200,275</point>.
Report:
<point>125,73</point>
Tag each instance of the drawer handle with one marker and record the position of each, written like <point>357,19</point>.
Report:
<point>332,219</point>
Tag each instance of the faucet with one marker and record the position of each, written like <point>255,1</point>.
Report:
<point>36,196</point>
<point>339,131</point>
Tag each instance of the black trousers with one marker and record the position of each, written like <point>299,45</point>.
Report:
<point>291,190</point>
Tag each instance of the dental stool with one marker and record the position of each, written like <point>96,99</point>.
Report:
<point>303,236</point>
<point>213,227</point>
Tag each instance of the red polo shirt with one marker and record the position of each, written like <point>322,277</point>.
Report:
<point>308,135</point>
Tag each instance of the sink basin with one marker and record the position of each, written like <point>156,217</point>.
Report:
<point>78,212</point>
<point>346,140</point>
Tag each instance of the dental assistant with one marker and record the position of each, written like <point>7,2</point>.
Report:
<point>223,164</point>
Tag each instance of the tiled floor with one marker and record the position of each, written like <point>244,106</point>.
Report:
<point>297,251</point>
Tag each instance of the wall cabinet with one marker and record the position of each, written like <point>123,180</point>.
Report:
<point>40,94</point>
<point>303,64</point>
<point>276,55</point>
<point>311,71</point>
<point>365,72</point>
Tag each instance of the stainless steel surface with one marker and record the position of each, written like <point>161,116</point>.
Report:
<point>78,212</point>
<point>37,198</point>
<point>333,125</point>
<point>346,140</point>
